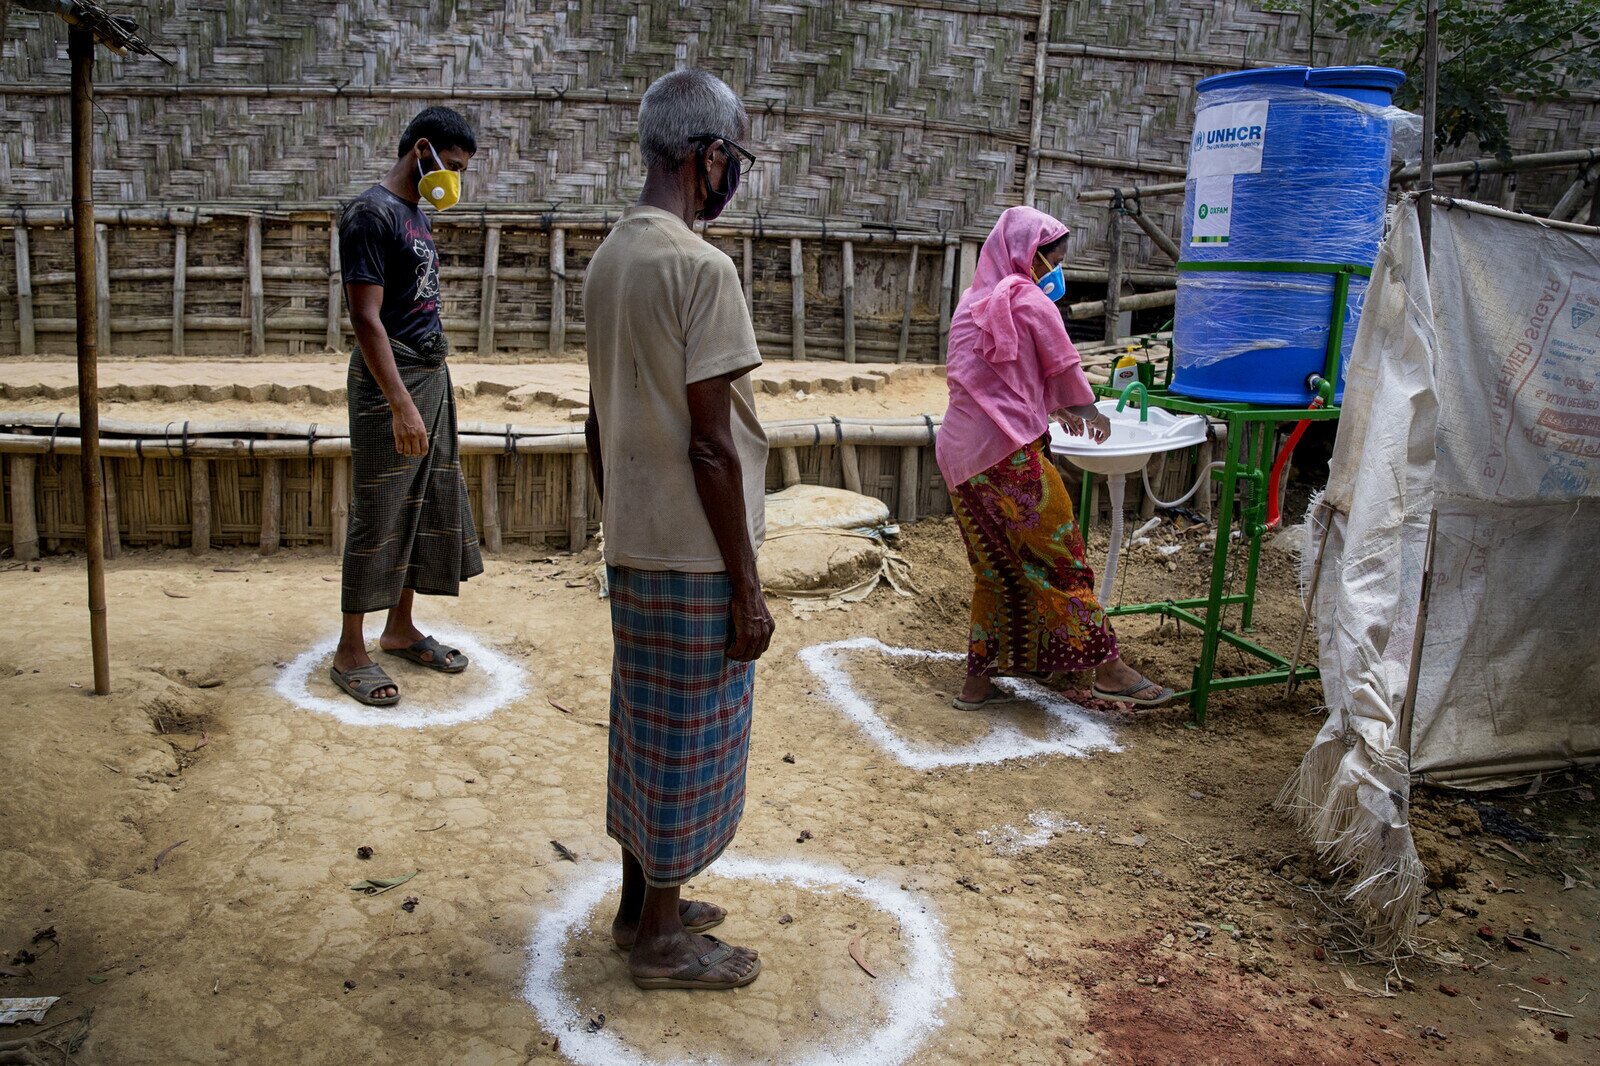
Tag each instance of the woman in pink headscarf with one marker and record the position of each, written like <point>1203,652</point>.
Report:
<point>1012,369</point>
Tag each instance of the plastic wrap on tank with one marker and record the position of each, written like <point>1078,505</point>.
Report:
<point>1285,173</point>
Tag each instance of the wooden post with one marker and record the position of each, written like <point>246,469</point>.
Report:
<point>1508,191</point>
<point>200,506</point>
<point>113,520</point>
<point>908,483</point>
<point>80,50</point>
<point>1168,246</point>
<point>271,504</point>
<point>849,251</point>
<point>256,296</point>
<point>341,505</point>
<point>578,503</point>
<point>558,291</point>
<point>24,510</point>
<point>946,295</point>
<point>335,288</point>
<point>850,467</point>
<point>797,288</point>
<point>180,284</point>
<point>905,314</point>
<point>969,264</point>
<point>1207,454</point>
<point>1430,111</point>
<point>491,503</point>
<point>486,301</point>
<point>789,460</point>
<point>102,290</point>
<point>25,336</point>
<point>1113,328</point>
<point>749,277</point>
<point>1041,57</point>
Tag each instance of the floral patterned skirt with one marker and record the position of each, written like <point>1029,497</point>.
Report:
<point>1033,602</point>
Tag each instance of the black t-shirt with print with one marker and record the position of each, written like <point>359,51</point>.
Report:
<point>384,240</point>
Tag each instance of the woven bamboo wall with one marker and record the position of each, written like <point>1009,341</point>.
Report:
<point>915,114</point>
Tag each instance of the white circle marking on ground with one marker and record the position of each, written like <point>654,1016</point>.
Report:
<point>1073,730</point>
<point>914,1000</point>
<point>506,682</point>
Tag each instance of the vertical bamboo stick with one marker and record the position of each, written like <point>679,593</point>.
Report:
<point>256,296</point>
<point>335,287</point>
<point>849,252</point>
<point>180,284</point>
<point>25,335</point>
<point>850,467</point>
<point>102,291</point>
<point>947,286</point>
<point>1207,454</point>
<point>578,503</point>
<point>558,291</point>
<point>1508,192</point>
<point>789,460</point>
<point>749,277</point>
<point>1041,57</point>
<point>969,263</point>
<point>1113,326</point>
<point>905,314</point>
<point>340,507</point>
<point>486,301</point>
<point>271,504</point>
<point>199,506</point>
<point>797,289</point>
<point>113,519</point>
<point>24,510</point>
<point>908,483</point>
<point>491,503</point>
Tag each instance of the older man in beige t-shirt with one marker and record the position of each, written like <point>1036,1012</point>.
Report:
<point>680,460</point>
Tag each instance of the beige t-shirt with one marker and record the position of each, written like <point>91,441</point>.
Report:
<point>663,309</point>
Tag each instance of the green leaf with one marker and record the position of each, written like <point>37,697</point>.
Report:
<point>373,885</point>
<point>97,979</point>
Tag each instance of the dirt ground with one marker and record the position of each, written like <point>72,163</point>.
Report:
<point>178,855</point>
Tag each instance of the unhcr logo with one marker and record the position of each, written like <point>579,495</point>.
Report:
<point>1233,136</point>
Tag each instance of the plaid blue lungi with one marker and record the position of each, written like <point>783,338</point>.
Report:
<point>680,721</point>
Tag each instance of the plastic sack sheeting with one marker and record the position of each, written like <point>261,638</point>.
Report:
<point>1476,391</point>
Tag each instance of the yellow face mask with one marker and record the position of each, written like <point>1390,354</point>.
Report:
<point>440,188</point>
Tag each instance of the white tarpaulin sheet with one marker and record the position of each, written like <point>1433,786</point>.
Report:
<point>1473,389</point>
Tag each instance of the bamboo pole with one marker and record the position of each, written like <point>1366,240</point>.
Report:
<point>1430,112</point>
<point>946,295</point>
<point>907,511</point>
<point>969,264</point>
<point>905,314</point>
<point>558,290</point>
<point>335,289</point>
<point>102,291</point>
<point>789,461</point>
<point>24,509</point>
<point>797,293</point>
<point>180,284</point>
<point>850,467</point>
<point>1041,59</point>
<point>1205,455</point>
<point>80,50</point>
<point>1113,313</point>
<point>486,300</point>
<point>1419,631</point>
<point>255,298</point>
<point>1168,246</point>
<point>749,276</point>
<point>272,503</point>
<point>578,499</point>
<point>1137,302</point>
<point>25,336</point>
<point>113,519</point>
<point>849,254</point>
<point>200,505</point>
<point>491,503</point>
<point>340,508</point>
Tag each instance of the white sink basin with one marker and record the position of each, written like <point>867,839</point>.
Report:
<point>1132,442</point>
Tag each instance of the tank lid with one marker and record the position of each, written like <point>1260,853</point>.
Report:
<point>1385,79</point>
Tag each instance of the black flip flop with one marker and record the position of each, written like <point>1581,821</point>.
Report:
<point>440,653</point>
<point>360,684</point>
<point>1127,694</point>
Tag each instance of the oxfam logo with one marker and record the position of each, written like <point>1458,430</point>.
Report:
<point>1204,210</point>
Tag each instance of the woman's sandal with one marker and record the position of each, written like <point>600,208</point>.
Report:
<point>1127,694</point>
<point>440,653</point>
<point>363,681</point>
<point>692,975</point>
<point>993,699</point>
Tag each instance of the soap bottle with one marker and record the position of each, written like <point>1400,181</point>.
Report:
<point>1125,372</point>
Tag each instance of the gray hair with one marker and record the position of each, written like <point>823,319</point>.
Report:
<point>682,105</point>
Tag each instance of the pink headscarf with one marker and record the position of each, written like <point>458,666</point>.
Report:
<point>1006,263</point>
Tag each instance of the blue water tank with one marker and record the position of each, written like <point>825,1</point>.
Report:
<point>1288,164</point>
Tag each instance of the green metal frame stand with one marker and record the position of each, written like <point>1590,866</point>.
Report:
<point>1251,432</point>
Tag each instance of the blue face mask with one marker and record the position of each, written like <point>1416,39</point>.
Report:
<point>1053,284</point>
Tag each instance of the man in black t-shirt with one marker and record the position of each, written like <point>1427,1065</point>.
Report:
<point>410,525</point>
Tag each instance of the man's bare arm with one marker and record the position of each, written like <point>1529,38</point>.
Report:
<point>410,435</point>
<point>591,440</point>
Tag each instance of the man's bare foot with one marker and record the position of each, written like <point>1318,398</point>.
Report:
<point>347,658</point>
<point>696,916</point>
<point>669,955</point>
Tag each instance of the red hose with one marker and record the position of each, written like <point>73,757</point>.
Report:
<point>1274,515</point>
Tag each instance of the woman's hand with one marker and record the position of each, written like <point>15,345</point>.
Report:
<point>1086,418</point>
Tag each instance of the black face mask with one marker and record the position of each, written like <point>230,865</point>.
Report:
<point>717,199</point>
